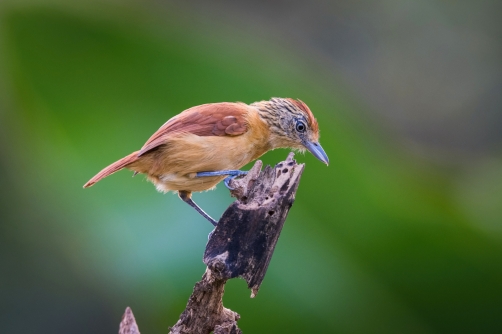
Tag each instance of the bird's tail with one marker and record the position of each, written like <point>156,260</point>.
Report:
<point>114,167</point>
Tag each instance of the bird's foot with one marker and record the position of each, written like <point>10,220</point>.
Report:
<point>231,175</point>
<point>227,180</point>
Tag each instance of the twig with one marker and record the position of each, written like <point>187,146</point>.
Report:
<point>128,323</point>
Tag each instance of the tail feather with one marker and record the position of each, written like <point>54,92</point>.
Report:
<point>114,167</point>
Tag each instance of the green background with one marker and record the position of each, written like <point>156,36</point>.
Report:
<point>384,240</point>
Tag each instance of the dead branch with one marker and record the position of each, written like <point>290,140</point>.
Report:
<point>240,246</point>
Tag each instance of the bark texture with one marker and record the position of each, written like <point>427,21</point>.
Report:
<point>241,245</point>
<point>243,242</point>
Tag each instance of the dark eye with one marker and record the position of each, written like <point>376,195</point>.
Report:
<point>300,126</point>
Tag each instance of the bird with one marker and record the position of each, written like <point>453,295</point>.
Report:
<point>209,143</point>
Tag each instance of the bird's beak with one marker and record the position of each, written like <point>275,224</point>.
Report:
<point>317,151</point>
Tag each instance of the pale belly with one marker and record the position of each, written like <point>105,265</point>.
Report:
<point>175,182</point>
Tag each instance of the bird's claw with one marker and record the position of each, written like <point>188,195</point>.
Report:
<point>229,178</point>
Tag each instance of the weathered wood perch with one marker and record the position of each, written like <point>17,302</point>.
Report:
<point>240,246</point>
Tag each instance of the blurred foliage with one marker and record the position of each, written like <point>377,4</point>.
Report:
<point>380,241</point>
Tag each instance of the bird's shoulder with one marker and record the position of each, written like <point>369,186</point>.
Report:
<point>212,119</point>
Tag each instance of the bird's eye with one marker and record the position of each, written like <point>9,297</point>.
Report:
<point>300,126</point>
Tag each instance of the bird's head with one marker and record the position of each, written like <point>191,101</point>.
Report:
<point>292,124</point>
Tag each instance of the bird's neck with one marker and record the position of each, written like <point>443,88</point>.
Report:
<point>274,135</point>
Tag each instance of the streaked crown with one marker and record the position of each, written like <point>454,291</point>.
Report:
<point>289,118</point>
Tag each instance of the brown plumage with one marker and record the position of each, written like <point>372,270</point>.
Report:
<point>218,137</point>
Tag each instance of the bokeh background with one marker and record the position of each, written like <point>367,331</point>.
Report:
<point>402,233</point>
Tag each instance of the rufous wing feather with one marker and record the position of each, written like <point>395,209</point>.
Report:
<point>214,119</point>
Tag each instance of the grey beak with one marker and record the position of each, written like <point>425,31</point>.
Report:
<point>317,151</point>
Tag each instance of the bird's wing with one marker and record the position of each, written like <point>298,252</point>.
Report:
<point>214,119</point>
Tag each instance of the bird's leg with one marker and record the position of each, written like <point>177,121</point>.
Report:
<point>231,172</point>
<point>231,175</point>
<point>186,196</point>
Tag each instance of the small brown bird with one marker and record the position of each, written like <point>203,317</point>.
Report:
<point>198,148</point>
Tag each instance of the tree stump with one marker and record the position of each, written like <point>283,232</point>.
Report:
<point>241,245</point>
